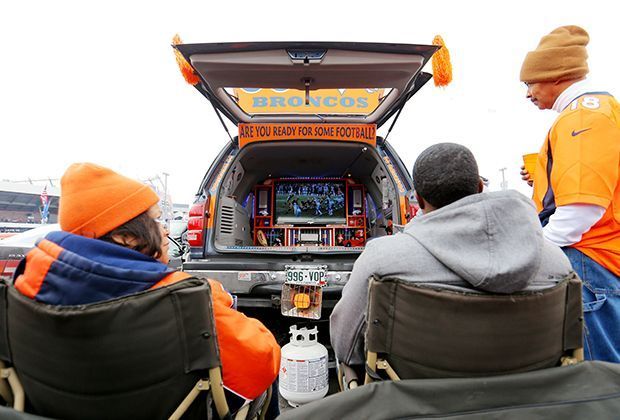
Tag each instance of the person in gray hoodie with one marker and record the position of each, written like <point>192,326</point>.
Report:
<point>465,240</point>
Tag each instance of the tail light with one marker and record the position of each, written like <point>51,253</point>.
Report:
<point>198,215</point>
<point>411,209</point>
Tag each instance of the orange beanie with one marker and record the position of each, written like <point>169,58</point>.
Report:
<point>95,200</point>
<point>561,55</point>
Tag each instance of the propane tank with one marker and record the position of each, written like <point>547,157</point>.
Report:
<point>303,368</point>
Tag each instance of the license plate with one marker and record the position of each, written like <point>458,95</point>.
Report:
<point>315,276</point>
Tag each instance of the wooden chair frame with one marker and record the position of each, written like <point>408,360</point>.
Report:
<point>215,385</point>
<point>11,388</point>
<point>375,364</point>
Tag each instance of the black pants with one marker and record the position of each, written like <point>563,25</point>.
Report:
<point>273,410</point>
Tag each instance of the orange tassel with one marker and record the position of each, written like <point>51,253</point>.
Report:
<point>442,67</point>
<point>187,70</point>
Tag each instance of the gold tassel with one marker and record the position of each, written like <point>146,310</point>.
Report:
<point>187,70</point>
<point>442,67</point>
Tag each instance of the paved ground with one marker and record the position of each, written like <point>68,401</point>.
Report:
<point>333,388</point>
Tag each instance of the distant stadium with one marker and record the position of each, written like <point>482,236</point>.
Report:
<point>24,206</point>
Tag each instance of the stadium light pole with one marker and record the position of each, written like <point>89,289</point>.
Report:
<point>167,210</point>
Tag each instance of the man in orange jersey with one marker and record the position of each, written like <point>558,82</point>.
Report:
<point>576,188</point>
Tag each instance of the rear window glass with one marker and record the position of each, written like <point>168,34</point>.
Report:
<point>354,102</point>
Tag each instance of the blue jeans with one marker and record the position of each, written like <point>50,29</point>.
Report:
<point>601,307</point>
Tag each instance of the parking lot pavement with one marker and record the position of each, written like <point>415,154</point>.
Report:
<point>333,388</point>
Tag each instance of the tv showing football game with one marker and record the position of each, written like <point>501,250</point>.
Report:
<point>310,202</point>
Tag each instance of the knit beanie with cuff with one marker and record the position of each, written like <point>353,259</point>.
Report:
<point>561,55</point>
<point>95,200</point>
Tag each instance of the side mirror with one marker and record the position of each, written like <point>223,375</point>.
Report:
<point>176,250</point>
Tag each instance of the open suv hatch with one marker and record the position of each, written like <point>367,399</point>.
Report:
<point>306,183</point>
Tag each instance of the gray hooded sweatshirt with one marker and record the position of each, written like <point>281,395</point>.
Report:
<point>484,242</point>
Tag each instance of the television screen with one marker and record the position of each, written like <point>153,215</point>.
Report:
<point>308,202</point>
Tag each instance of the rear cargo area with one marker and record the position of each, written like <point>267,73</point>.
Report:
<point>304,197</point>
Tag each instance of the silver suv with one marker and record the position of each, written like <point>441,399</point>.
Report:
<point>289,203</point>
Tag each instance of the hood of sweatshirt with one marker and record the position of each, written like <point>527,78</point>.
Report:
<point>492,240</point>
<point>67,269</point>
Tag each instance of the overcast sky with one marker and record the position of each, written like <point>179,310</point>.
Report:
<point>97,80</point>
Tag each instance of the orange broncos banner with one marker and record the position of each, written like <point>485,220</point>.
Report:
<point>364,133</point>
<point>322,101</point>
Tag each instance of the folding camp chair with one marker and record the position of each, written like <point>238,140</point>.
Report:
<point>144,356</point>
<point>420,332</point>
<point>589,389</point>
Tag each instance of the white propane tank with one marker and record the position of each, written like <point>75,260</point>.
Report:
<point>303,368</point>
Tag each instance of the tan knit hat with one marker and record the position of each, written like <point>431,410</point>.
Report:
<point>95,200</point>
<point>561,55</point>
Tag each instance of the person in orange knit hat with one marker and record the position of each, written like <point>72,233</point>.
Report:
<point>576,182</point>
<point>112,245</point>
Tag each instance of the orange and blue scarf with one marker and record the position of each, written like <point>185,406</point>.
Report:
<point>67,269</point>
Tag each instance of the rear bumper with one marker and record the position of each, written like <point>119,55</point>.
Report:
<point>256,289</point>
<point>268,296</point>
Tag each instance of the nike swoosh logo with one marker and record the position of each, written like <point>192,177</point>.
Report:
<point>576,133</point>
